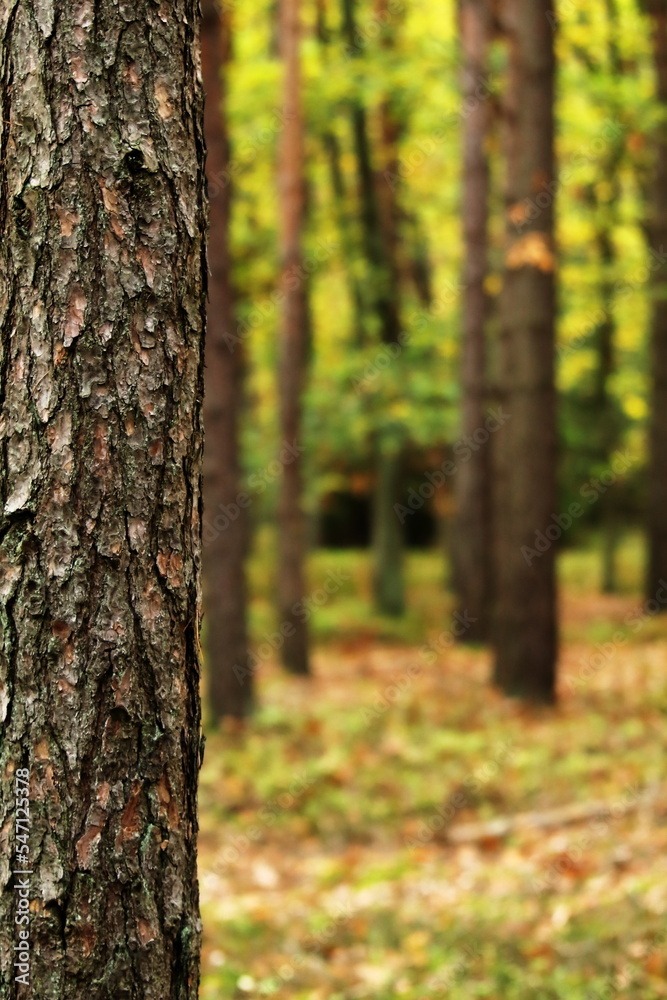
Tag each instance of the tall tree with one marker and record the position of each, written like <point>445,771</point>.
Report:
<point>230,678</point>
<point>598,409</point>
<point>379,226</point>
<point>605,420</point>
<point>657,228</point>
<point>341,201</point>
<point>294,350</point>
<point>471,540</point>
<point>102,318</point>
<point>525,626</point>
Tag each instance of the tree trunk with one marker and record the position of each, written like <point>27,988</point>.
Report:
<point>605,406</point>
<point>225,529</point>
<point>657,497</point>
<point>525,617</point>
<point>382,288</point>
<point>381,305</point>
<point>606,412</point>
<point>332,148</point>
<point>294,349</point>
<point>472,546</point>
<point>388,588</point>
<point>102,313</point>
<point>344,220</point>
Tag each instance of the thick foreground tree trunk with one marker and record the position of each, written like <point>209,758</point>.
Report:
<point>225,531</point>
<point>525,629</point>
<point>657,498</point>
<point>102,320</point>
<point>294,349</point>
<point>471,539</point>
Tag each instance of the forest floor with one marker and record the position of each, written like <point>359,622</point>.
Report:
<point>395,828</point>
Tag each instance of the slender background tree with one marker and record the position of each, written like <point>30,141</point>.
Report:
<point>377,179</point>
<point>657,230</point>
<point>294,351</point>
<point>472,555</point>
<point>225,534</point>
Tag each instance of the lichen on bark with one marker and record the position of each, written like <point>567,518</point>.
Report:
<point>102,323</point>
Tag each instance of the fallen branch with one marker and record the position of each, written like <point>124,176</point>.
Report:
<point>579,812</point>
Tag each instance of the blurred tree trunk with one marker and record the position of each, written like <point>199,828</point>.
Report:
<point>387,532</point>
<point>382,304</point>
<point>525,625</point>
<point>340,194</point>
<point>472,536</point>
<point>332,148</point>
<point>230,678</point>
<point>102,313</point>
<point>605,406</point>
<point>294,351</point>
<point>657,497</point>
<point>606,414</point>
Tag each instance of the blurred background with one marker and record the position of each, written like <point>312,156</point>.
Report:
<point>435,525</point>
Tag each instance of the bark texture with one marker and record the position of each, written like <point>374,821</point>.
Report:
<point>225,532</point>
<point>525,496</point>
<point>472,539</point>
<point>294,351</point>
<point>102,322</point>
<point>657,496</point>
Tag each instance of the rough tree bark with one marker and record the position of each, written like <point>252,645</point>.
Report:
<point>525,629</point>
<point>657,228</point>
<point>225,530</point>
<point>471,540</point>
<point>102,320</point>
<point>294,351</point>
